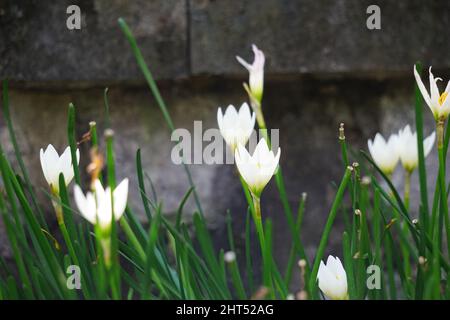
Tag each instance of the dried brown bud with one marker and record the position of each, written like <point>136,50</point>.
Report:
<point>94,168</point>
<point>260,294</point>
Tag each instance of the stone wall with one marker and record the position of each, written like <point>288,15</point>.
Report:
<point>184,38</point>
<point>323,67</point>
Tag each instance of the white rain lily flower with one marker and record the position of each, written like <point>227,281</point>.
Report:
<point>333,279</point>
<point>407,147</point>
<point>385,154</point>
<point>97,207</point>
<point>256,70</point>
<point>259,168</point>
<point>53,165</point>
<point>438,103</point>
<point>236,128</point>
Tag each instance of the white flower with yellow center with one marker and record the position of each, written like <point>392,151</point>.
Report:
<point>236,127</point>
<point>256,70</point>
<point>385,154</point>
<point>407,147</point>
<point>99,207</point>
<point>259,168</point>
<point>438,103</point>
<point>53,165</point>
<point>333,279</point>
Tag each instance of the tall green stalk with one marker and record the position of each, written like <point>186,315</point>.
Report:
<point>442,183</point>
<point>424,215</point>
<point>262,241</point>
<point>154,88</point>
<point>326,233</point>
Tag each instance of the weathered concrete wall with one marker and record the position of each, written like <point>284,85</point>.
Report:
<point>323,67</point>
<point>319,36</point>
<point>180,38</point>
<point>307,111</point>
<point>35,44</point>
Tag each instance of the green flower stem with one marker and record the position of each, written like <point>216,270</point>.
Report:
<point>70,247</point>
<point>293,253</point>
<point>344,155</point>
<point>248,257</point>
<point>424,208</point>
<point>236,279</point>
<point>257,206</point>
<point>100,267</point>
<point>267,279</point>
<point>405,248</point>
<point>106,103</point>
<point>260,119</point>
<point>434,209</point>
<point>444,205</point>
<point>37,234</point>
<point>157,95</point>
<point>112,239</point>
<point>378,238</point>
<point>343,144</point>
<point>15,248</point>
<point>388,244</point>
<point>407,188</point>
<point>93,133</point>
<point>254,203</point>
<point>63,228</point>
<point>348,263</point>
<point>256,105</point>
<point>363,251</point>
<point>406,255</point>
<point>327,230</point>
<point>256,102</point>
<point>73,142</point>
<point>247,194</point>
<point>424,215</point>
<point>132,238</point>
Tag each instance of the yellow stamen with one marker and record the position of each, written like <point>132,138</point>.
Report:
<point>442,98</point>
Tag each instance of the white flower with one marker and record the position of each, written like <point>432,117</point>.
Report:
<point>53,165</point>
<point>438,103</point>
<point>259,168</point>
<point>256,70</point>
<point>333,279</point>
<point>235,127</point>
<point>407,147</point>
<point>97,207</point>
<point>385,154</point>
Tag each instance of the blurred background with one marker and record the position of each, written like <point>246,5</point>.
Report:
<point>323,67</point>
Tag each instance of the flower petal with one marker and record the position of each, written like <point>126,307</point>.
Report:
<point>244,63</point>
<point>86,205</point>
<point>428,143</point>
<point>422,88</point>
<point>120,196</point>
<point>44,165</point>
